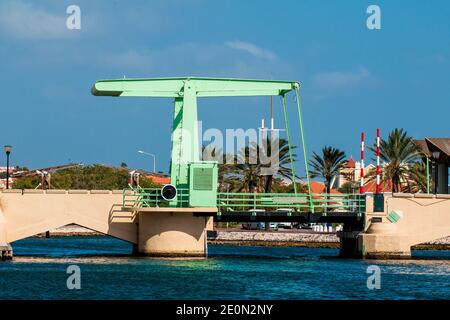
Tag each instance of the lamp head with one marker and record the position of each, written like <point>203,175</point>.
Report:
<point>436,154</point>
<point>8,149</point>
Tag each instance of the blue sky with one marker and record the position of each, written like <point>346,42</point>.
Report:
<point>352,78</point>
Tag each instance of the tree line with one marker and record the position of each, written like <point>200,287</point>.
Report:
<point>91,177</point>
<point>403,169</point>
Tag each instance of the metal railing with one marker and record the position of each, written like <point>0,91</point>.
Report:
<point>151,197</point>
<point>324,203</point>
<point>227,201</point>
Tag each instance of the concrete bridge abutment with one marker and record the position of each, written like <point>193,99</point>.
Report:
<point>160,231</point>
<point>404,220</point>
<point>172,232</point>
<point>6,251</point>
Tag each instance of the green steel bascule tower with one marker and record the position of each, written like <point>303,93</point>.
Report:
<point>187,171</point>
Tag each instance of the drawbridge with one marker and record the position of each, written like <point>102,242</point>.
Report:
<point>171,221</point>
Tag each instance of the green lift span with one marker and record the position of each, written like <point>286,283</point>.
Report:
<point>195,180</point>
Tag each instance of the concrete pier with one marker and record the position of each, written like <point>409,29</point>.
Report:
<point>406,220</point>
<point>172,232</point>
<point>167,232</point>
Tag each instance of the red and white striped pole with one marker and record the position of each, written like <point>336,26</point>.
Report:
<point>361,187</point>
<point>378,162</point>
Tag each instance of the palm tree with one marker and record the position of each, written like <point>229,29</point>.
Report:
<point>284,162</point>
<point>327,165</point>
<point>246,177</point>
<point>400,154</point>
<point>417,178</point>
<point>251,177</point>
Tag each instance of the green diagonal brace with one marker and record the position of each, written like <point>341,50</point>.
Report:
<point>288,133</point>
<point>305,155</point>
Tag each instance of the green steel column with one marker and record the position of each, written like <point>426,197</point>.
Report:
<point>184,136</point>
<point>177,126</point>
<point>305,155</point>
<point>428,175</point>
<point>288,133</point>
<point>190,123</point>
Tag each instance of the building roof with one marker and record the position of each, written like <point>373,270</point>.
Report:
<point>422,144</point>
<point>371,186</point>
<point>429,145</point>
<point>443,144</point>
<point>159,178</point>
<point>319,187</point>
<point>350,163</point>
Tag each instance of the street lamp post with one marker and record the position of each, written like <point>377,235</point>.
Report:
<point>152,155</point>
<point>8,150</point>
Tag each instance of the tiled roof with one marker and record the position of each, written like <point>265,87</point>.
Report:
<point>319,187</point>
<point>371,186</point>
<point>159,179</point>
<point>350,163</point>
<point>443,144</point>
<point>429,145</point>
<point>422,144</point>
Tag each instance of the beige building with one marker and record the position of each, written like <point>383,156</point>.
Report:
<point>351,172</point>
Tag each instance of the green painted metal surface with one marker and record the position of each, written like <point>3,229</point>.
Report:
<point>305,154</point>
<point>393,216</point>
<point>295,202</point>
<point>203,184</point>
<point>185,91</point>
<point>428,175</point>
<point>250,202</point>
<point>288,132</point>
<point>151,197</point>
<point>204,87</point>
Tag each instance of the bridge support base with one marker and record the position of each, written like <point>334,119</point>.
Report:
<point>379,246</point>
<point>171,232</point>
<point>6,251</point>
<point>382,241</point>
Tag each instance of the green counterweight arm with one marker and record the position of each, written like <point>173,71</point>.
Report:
<point>204,87</point>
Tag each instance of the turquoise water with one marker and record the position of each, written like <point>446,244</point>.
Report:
<point>38,271</point>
